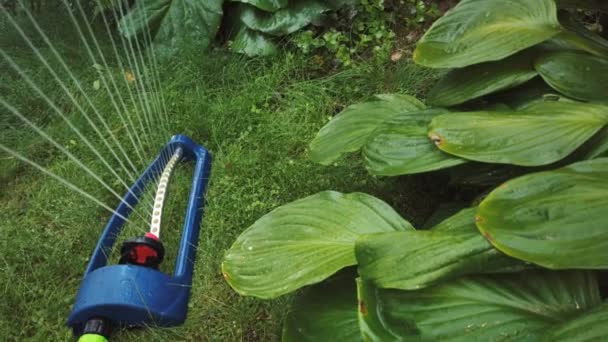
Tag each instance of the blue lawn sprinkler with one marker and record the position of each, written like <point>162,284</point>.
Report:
<point>134,292</point>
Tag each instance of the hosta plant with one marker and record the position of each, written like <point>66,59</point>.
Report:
<point>525,95</point>
<point>253,25</point>
<point>488,263</point>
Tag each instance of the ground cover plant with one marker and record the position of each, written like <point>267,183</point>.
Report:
<point>525,96</point>
<point>255,115</point>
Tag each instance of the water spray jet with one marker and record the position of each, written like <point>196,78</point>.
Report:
<point>134,293</point>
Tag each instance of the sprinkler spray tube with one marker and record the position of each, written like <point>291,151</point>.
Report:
<point>134,292</point>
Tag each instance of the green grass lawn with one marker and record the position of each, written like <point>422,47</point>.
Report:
<point>256,116</point>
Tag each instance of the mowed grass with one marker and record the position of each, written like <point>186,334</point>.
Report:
<point>257,117</point>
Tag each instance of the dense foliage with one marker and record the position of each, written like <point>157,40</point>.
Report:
<point>335,32</point>
<point>253,27</point>
<point>526,95</point>
<point>367,29</point>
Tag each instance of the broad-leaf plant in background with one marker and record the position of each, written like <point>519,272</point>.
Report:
<point>253,26</point>
<point>527,88</point>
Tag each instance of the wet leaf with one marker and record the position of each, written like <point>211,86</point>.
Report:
<point>579,76</point>
<point>556,219</point>
<point>477,31</point>
<point>537,135</point>
<point>174,23</point>
<point>461,85</point>
<point>253,43</point>
<point>266,5</point>
<point>400,146</point>
<point>588,327</point>
<point>411,260</point>
<point>517,307</point>
<point>326,312</point>
<point>285,20</point>
<point>305,242</point>
<point>351,129</point>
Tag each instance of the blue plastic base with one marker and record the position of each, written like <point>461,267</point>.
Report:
<point>130,295</point>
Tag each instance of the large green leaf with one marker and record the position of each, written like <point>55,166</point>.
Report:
<point>266,5</point>
<point>513,307</point>
<point>556,219</point>
<point>252,43</point>
<point>415,259</point>
<point>350,129</point>
<point>461,85</point>
<point>275,5</point>
<point>478,31</point>
<point>576,75</point>
<point>400,146</point>
<point>540,134</point>
<point>326,312</point>
<point>175,23</point>
<point>305,242</point>
<point>284,21</point>
<point>591,326</point>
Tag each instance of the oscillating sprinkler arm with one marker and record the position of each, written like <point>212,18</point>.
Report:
<point>161,191</point>
<point>148,250</point>
<point>134,292</point>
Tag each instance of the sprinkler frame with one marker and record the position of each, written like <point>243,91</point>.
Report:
<point>126,295</point>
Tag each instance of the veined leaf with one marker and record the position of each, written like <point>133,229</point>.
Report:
<point>418,259</point>
<point>576,75</point>
<point>285,20</point>
<point>305,242</point>
<point>252,43</point>
<point>517,307</point>
<point>478,31</point>
<point>350,129</point>
<point>600,145</point>
<point>538,135</point>
<point>556,219</point>
<point>174,23</point>
<point>414,259</point>
<point>326,312</point>
<point>461,85</point>
<point>400,146</point>
<point>590,326</point>
<point>266,5</point>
